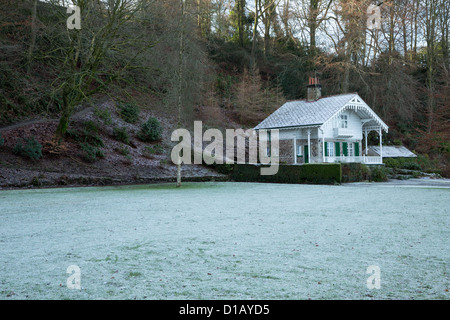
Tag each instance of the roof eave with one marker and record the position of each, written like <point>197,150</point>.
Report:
<point>315,125</point>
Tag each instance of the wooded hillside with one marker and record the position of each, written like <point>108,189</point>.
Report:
<point>230,62</point>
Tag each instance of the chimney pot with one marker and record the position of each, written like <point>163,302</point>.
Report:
<point>314,89</point>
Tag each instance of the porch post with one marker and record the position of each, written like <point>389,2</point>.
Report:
<point>295,149</point>
<point>365,137</point>
<point>323,145</point>
<point>309,145</point>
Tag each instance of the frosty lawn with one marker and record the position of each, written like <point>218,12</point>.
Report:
<point>225,241</point>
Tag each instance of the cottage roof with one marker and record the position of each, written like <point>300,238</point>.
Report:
<point>300,113</point>
<point>303,113</point>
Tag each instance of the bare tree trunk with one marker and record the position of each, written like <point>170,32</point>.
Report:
<point>416,26</point>
<point>255,27</point>
<point>180,84</point>
<point>405,42</point>
<point>444,19</point>
<point>312,23</point>
<point>268,17</point>
<point>430,24</point>
<point>33,36</point>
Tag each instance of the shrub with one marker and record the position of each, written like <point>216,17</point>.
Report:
<point>150,130</point>
<point>104,115</point>
<point>354,172</point>
<point>378,174</point>
<point>35,181</point>
<point>391,162</point>
<point>90,127</point>
<point>129,112</point>
<point>121,134</point>
<point>406,163</point>
<point>86,137</point>
<point>91,153</point>
<point>73,134</point>
<point>2,140</point>
<point>150,151</point>
<point>125,151</point>
<point>411,165</point>
<point>129,159</point>
<point>94,140</point>
<point>29,148</point>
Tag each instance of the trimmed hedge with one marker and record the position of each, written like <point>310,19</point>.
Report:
<point>307,173</point>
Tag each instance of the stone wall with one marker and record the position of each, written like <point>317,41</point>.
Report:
<point>287,150</point>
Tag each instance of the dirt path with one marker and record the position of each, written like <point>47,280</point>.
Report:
<point>20,124</point>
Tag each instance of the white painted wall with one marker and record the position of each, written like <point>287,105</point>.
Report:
<point>300,133</point>
<point>354,126</point>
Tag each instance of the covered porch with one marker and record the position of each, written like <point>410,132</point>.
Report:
<point>364,157</point>
<point>350,150</point>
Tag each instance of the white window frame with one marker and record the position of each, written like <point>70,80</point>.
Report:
<point>299,151</point>
<point>330,149</point>
<point>350,149</point>
<point>344,121</point>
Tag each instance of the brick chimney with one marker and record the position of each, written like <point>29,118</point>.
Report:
<point>314,89</point>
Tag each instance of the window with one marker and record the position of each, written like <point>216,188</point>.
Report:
<point>344,121</point>
<point>350,150</point>
<point>299,153</point>
<point>268,143</point>
<point>330,149</point>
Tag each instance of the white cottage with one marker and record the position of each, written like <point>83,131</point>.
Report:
<point>325,129</point>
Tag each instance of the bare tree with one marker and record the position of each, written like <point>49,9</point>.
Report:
<point>82,53</point>
<point>180,81</point>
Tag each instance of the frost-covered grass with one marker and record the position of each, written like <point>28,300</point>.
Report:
<point>225,241</point>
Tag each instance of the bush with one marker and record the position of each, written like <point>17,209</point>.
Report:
<point>91,153</point>
<point>2,140</point>
<point>150,130</point>
<point>378,174</point>
<point>29,148</point>
<point>121,134</point>
<point>85,136</point>
<point>125,151</point>
<point>94,140</point>
<point>420,163</point>
<point>103,114</point>
<point>354,172</point>
<point>129,112</point>
<point>150,151</point>
<point>411,165</point>
<point>90,127</point>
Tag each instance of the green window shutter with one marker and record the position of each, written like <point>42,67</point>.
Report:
<point>306,155</point>
<point>326,149</point>
<point>337,149</point>
<point>345,148</point>
<point>356,149</point>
